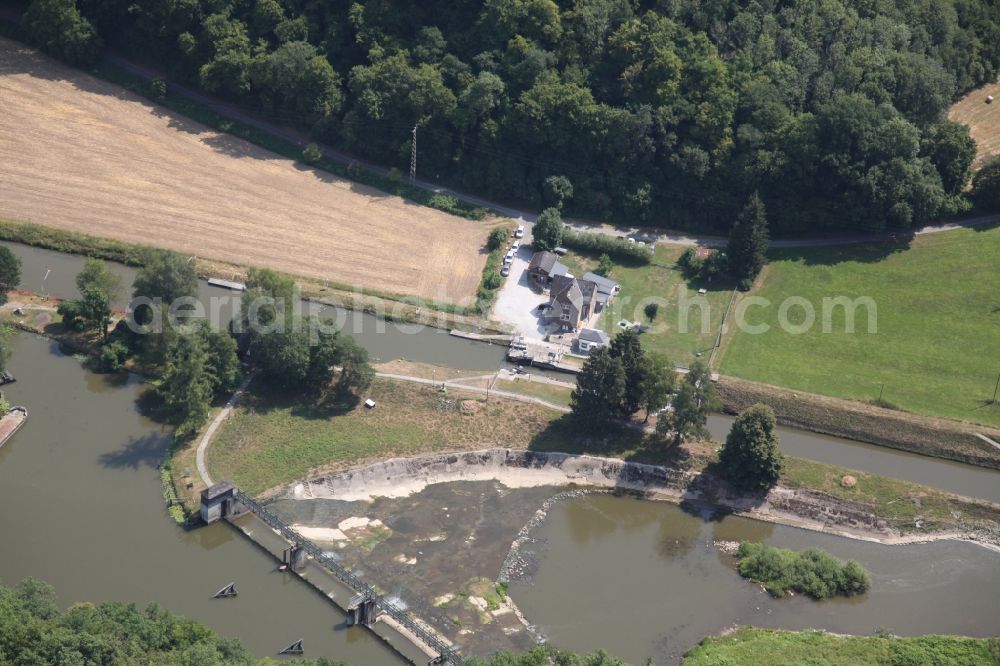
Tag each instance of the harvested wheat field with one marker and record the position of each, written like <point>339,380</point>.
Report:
<point>983,120</point>
<point>84,155</point>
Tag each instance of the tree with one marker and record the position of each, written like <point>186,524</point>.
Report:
<point>167,276</point>
<point>694,400</point>
<point>95,275</point>
<point>268,295</point>
<point>95,310</point>
<point>750,459</point>
<point>10,272</point>
<point>600,388</point>
<point>547,233</point>
<point>356,374</point>
<point>58,28</point>
<point>748,240</point>
<point>187,382</point>
<point>628,349</point>
<point>658,378</point>
<point>5,350</point>
<point>604,265</point>
<point>497,238</point>
<point>985,186</point>
<point>311,154</point>
<point>220,348</point>
<point>556,191</point>
<point>651,310</point>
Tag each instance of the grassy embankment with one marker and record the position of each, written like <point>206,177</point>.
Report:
<point>938,325</point>
<point>386,305</point>
<point>768,647</point>
<point>271,441</point>
<point>679,302</point>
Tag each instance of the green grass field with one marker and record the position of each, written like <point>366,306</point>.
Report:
<point>678,299</point>
<point>766,647</point>
<point>937,345</point>
<point>271,440</point>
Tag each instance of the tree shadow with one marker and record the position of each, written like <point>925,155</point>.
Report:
<point>831,255</point>
<point>139,452</point>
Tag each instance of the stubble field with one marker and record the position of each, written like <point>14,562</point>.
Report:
<point>84,155</point>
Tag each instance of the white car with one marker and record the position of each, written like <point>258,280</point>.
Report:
<point>505,271</point>
<point>515,246</point>
<point>509,257</point>
<point>520,232</point>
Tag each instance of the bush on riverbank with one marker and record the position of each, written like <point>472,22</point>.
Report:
<point>812,572</point>
<point>768,647</point>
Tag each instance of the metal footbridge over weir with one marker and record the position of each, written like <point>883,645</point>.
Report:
<point>223,500</point>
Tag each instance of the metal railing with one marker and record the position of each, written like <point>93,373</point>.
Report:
<point>448,654</point>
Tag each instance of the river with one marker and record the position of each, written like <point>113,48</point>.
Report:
<point>82,510</point>
<point>54,273</point>
<point>647,581</point>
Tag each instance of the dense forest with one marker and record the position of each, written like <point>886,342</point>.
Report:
<point>670,111</point>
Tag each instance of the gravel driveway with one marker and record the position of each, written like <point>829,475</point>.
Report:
<point>517,303</point>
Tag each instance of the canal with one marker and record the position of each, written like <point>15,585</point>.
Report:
<point>647,581</point>
<point>54,273</point>
<point>83,510</point>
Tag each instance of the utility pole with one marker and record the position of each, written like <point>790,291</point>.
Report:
<point>413,156</point>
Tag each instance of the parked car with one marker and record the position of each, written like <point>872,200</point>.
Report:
<point>516,245</point>
<point>509,257</point>
<point>505,271</point>
<point>520,232</point>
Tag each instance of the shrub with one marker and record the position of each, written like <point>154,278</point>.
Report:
<point>812,572</point>
<point>602,243</point>
<point>604,266</point>
<point>394,175</point>
<point>311,154</point>
<point>158,89</point>
<point>492,280</point>
<point>112,356</point>
<point>496,238</point>
<point>71,314</point>
<point>651,310</point>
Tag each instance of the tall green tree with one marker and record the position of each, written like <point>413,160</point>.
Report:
<point>547,233</point>
<point>695,399</point>
<point>985,186</point>
<point>658,379</point>
<point>96,275</point>
<point>600,389</point>
<point>748,242</point>
<point>628,349</point>
<point>95,310</point>
<point>188,382</point>
<point>10,272</point>
<point>166,275</point>
<point>750,458</point>
<point>220,348</point>
<point>58,28</point>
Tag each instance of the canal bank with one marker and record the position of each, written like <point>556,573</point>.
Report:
<point>83,511</point>
<point>48,271</point>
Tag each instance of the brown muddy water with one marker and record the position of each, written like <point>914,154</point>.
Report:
<point>643,579</point>
<point>54,273</point>
<point>81,508</point>
<point>49,272</point>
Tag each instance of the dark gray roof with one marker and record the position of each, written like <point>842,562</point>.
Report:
<point>217,490</point>
<point>594,335</point>
<point>604,285</point>
<point>566,290</point>
<point>543,261</point>
<point>558,269</point>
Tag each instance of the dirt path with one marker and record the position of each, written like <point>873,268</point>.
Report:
<point>87,156</point>
<point>209,434</point>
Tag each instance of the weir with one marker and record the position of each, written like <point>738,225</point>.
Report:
<point>224,501</point>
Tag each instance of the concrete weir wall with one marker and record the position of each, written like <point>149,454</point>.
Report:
<point>399,477</point>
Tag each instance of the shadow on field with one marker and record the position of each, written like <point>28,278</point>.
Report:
<point>865,253</point>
